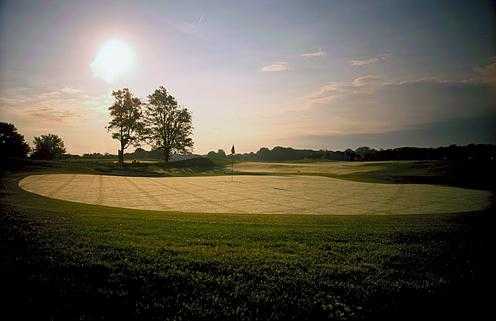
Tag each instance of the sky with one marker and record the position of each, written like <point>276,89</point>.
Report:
<point>307,74</point>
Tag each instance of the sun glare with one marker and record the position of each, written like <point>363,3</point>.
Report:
<point>114,59</point>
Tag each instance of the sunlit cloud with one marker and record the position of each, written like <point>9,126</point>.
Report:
<point>50,114</point>
<point>313,54</point>
<point>360,85</point>
<point>369,61</point>
<point>275,67</point>
<point>42,108</point>
<point>69,90</point>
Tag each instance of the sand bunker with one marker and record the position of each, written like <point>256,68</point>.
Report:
<point>256,194</point>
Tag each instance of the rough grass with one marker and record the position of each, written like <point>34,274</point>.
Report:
<point>190,167</point>
<point>68,261</point>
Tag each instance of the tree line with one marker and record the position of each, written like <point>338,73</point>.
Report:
<point>13,144</point>
<point>160,122</point>
<point>452,152</point>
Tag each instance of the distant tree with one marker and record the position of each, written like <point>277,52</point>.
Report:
<point>125,120</point>
<point>48,147</point>
<point>12,144</point>
<point>221,153</point>
<point>263,153</point>
<point>167,125</point>
<point>365,152</point>
<point>212,155</point>
<point>349,155</point>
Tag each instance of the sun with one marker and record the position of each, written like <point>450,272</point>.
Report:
<point>114,59</point>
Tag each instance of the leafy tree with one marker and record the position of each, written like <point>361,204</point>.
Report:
<point>12,144</point>
<point>221,153</point>
<point>167,125</point>
<point>349,154</point>
<point>364,152</point>
<point>126,116</point>
<point>48,147</point>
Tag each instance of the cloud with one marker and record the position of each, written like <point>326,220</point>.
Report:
<point>69,90</point>
<point>49,114</point>
<point>442,133</point>
<point>44,107</point>
<point>360,85</point>
<point>49,95</point>
<point>318,53</point>
<point>370,105</point>
<point>193,26</point>
<point>368,80</point>
<point>369,61</point>
<point>275,67</point>
<point>487,73</point>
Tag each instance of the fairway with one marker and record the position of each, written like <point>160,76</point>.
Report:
<point>256,194</point>
<point>321,168</point>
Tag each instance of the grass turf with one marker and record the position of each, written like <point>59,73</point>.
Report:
<point>467,173</point>
<point>63,260</point>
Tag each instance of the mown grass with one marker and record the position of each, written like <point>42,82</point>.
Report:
<point>63,261</point>
<point>469,173</point>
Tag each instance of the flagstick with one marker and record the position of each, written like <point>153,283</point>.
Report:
<point>232,163</point>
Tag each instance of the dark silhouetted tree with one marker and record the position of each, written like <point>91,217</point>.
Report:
<point>167,125</point>
<point>125,120</point>
<point>48,147</point>
<point>12,144</point>
<point>349,154</point>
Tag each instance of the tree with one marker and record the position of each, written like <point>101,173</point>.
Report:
<point>12,144</point>
<point>126,119</point>
<point>48,147</point>
<point>221,153</point>
<point>167,125</point>
<point>364,152</point>
<point>349,155</point>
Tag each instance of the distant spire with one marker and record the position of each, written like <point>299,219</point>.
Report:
<point>233,151</point>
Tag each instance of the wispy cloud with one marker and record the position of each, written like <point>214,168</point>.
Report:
<point>371,60</point>
<point>69,90</point>
<point>193,26</point>
<point>277,66</point>
<point>487,73</point>
<point>360,85</point>
<point>50,114</point>
<point>313,54</point>
<point>43,107</point>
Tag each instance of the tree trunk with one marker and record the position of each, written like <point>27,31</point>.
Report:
<point>166,155</point>
<point>121,155</point>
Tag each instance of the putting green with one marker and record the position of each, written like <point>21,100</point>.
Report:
<point>256,194</point>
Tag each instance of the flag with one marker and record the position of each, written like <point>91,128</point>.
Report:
<point>233,151</point>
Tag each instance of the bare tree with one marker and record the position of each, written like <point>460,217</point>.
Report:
<point>126,120</point>
<point>167,125</point>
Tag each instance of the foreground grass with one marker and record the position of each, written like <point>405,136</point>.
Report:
<point>63,260</point>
